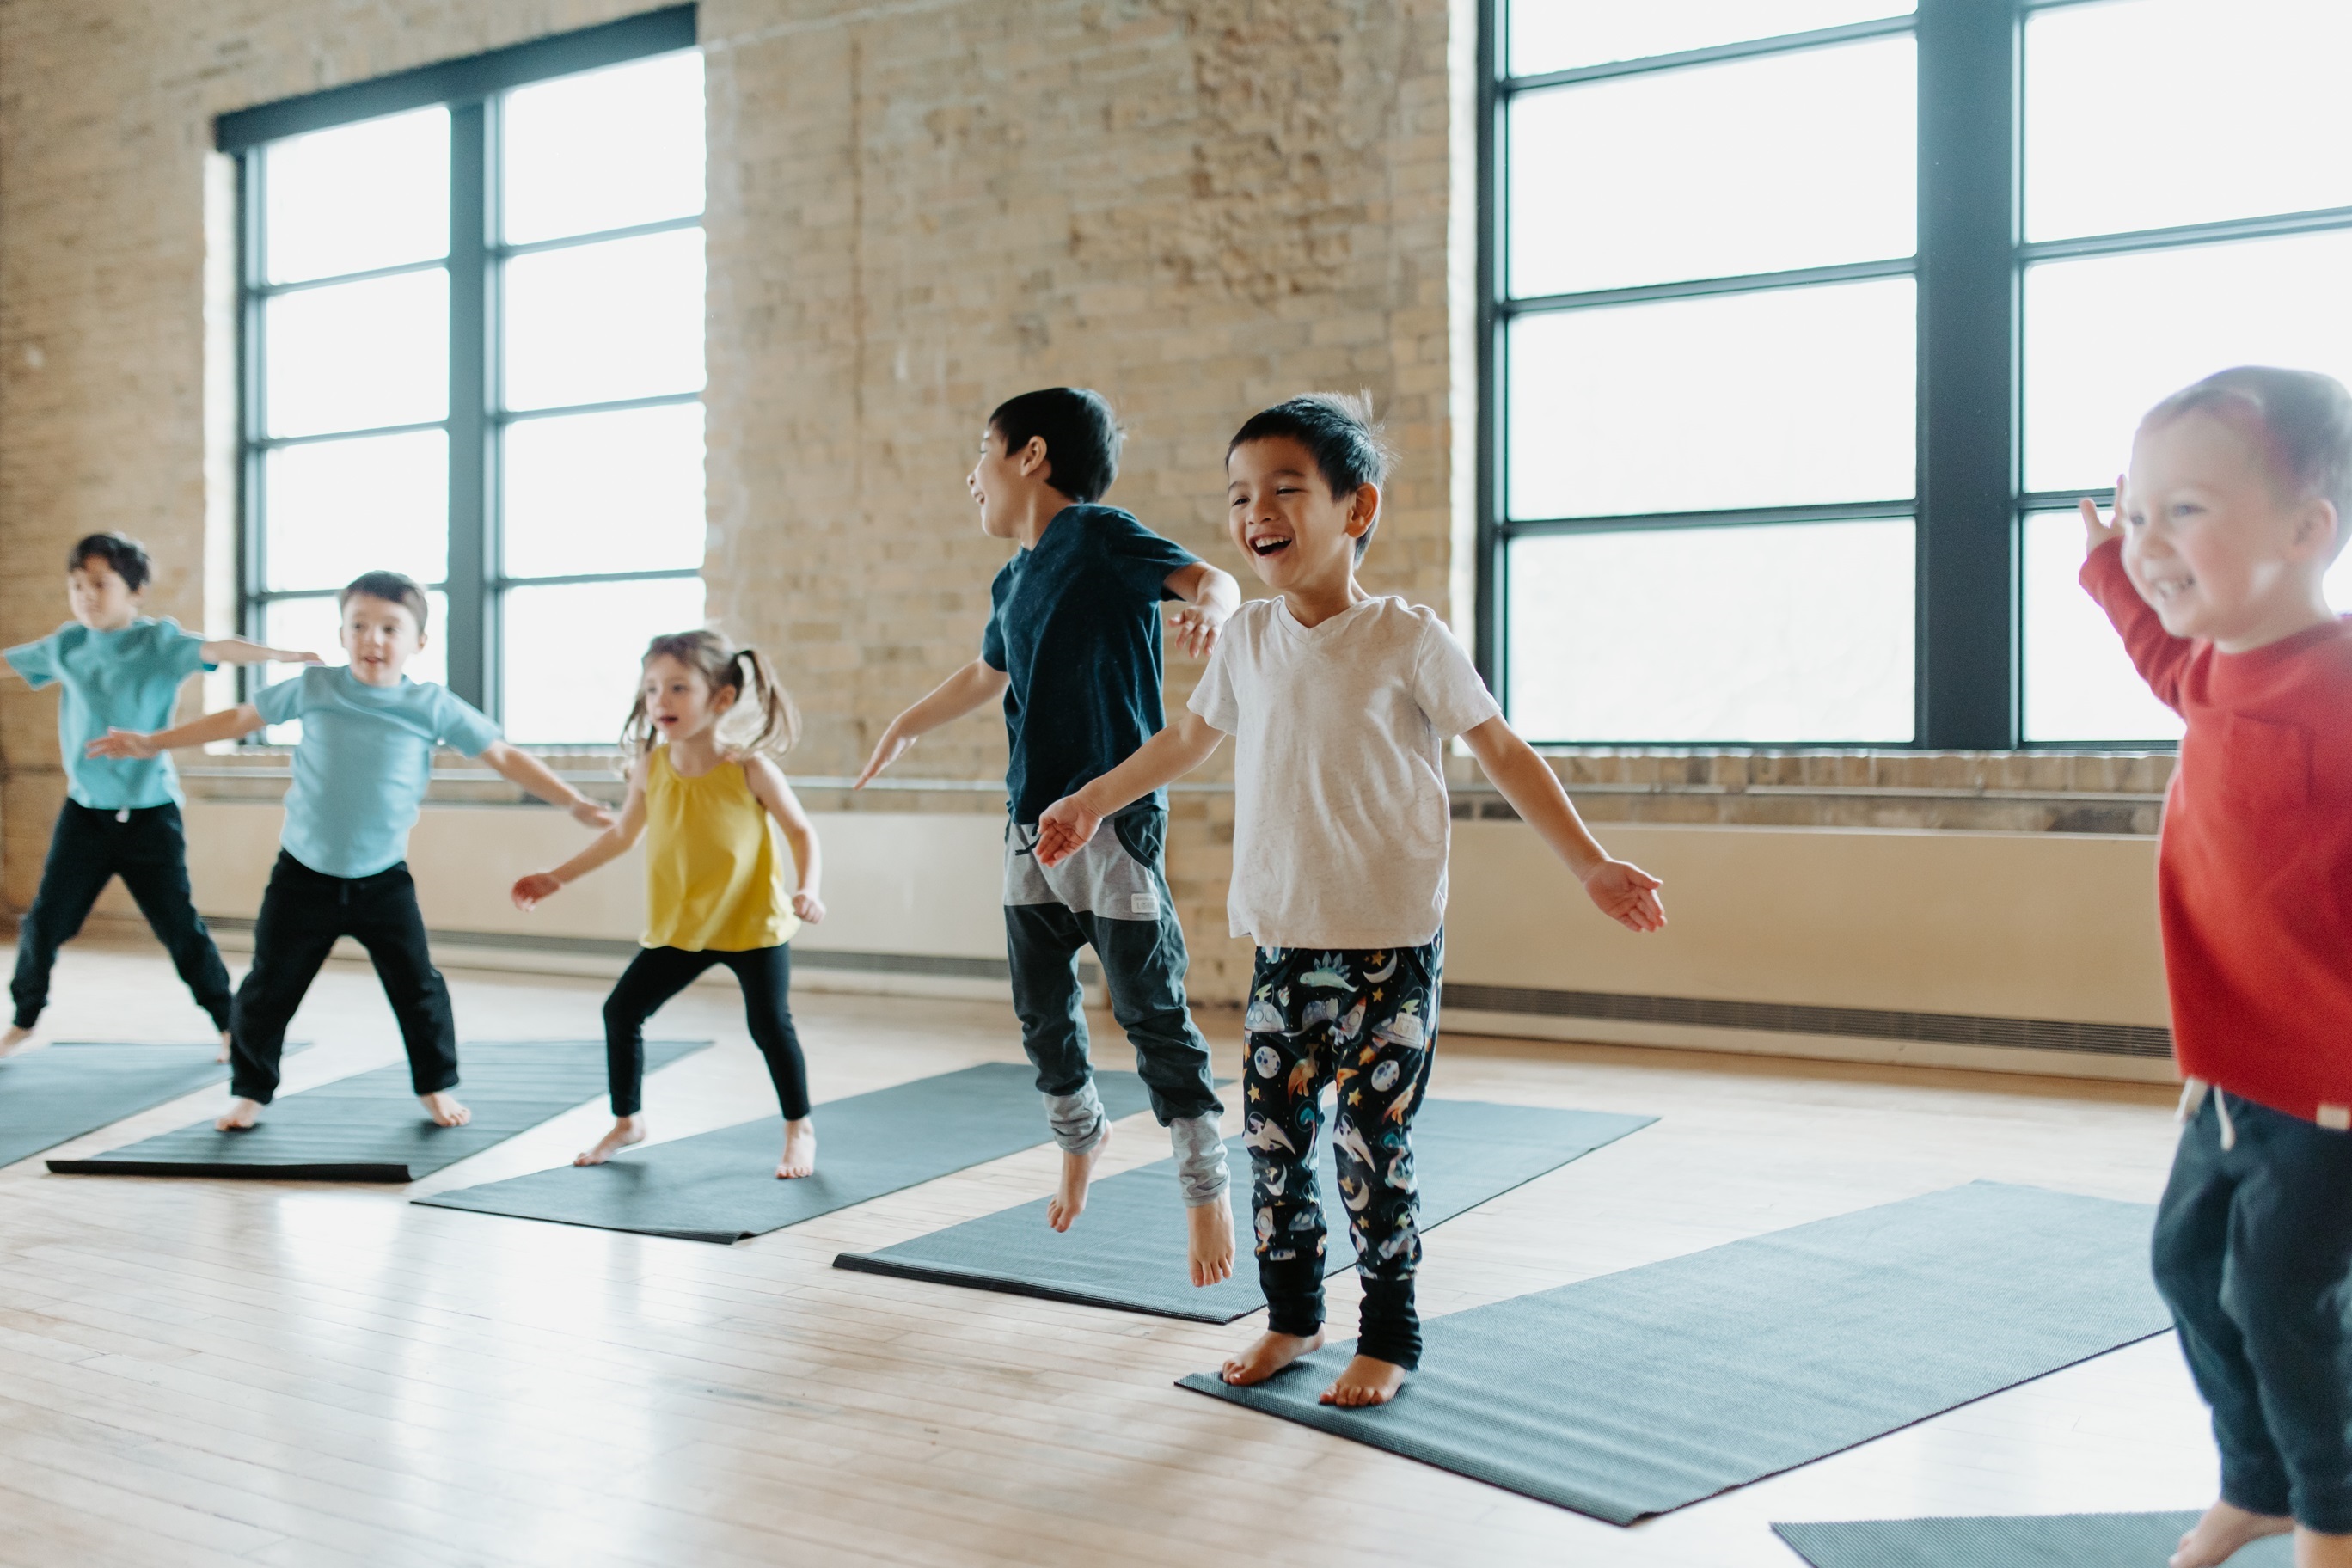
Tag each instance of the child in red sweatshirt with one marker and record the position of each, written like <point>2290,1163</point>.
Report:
<point>2212,569</point>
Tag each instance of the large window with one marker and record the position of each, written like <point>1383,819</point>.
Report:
<point>474,354</point>
<point>1809,327</point>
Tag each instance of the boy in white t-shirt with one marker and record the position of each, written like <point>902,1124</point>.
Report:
<point>1342,705</point>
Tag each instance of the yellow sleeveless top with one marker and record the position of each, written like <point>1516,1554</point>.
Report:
<point>714,870</point>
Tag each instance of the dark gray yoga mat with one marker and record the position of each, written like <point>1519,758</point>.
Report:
<point>721,1186</point>
<point>369,1128</point>
<point>2048,1540</point>
<point>56,1095</point>
<point>1128,1250</point>
<point>1636,1393</point>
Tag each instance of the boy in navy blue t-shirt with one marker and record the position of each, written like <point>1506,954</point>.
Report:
<point>1073,646</point>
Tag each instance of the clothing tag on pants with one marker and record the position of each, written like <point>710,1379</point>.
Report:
<point>1143,903</point>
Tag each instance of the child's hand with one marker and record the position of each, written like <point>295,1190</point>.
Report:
<point>888,750</point>
<point>1626,894</point>
<point>1194,627</point>
<point>2095,532</point>
<point>122,743</point>
<point>588,813</point>
<point>529,891</point>
<point>1063,830</point>
<point>287,655</point>
<point>808,907</point>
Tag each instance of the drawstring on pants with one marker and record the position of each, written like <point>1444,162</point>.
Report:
<point>2192,1096</point>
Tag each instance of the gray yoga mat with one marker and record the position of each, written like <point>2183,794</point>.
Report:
<point>369,1128</point>
<point>721,1186</point>
<point>1639,1392</point>
<point>1128,1250</point>
<point>56,1095</point>
<point>2048,1540</point>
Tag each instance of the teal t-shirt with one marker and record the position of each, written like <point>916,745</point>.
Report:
<point>366,757</point>
<point>126,680</point>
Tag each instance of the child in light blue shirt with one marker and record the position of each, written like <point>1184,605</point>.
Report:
<point>359,776</point>
<point>117,667</point>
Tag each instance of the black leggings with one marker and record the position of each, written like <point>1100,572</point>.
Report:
<point>658,973</point>
<point>147,848</point>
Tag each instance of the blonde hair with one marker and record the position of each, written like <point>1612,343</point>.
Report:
<point>727,669</point>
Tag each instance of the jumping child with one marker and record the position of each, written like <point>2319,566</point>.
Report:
<point>121,817</point>
<point>2212,568</point>
<point>359,776</point>
<point>1072,647</point>
<point>714,883</point>
<point>1340,704</point>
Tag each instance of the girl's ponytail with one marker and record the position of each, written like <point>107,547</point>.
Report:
<point>745,671</point>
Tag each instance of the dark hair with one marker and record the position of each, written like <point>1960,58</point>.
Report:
<point>125,555</point>
<point>1339,431</point>
<point>392,587</point>
<point>727,669</point>
<point>1081,435</point>
<point>2301,419</point>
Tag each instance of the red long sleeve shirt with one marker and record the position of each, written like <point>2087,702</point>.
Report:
<point>2255,869</point>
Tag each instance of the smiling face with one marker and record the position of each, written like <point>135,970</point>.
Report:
<point>101,599</point>
<point>2208,541</point>
<point>380,636</point>
<point>1297,535</point>
<point>1003,482</point>
<point>679,699</point>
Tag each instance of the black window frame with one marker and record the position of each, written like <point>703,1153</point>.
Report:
<point>476,419</point>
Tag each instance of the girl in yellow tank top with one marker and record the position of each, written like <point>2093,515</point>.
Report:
<point>719,887</point>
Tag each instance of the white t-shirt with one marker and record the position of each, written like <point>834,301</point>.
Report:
<point>1340,817</point>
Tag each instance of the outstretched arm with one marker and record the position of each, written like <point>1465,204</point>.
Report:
<point>2157,654</point>
<point>1625,893</point>
<point>976,683</point>
<point>1066,824</point>
<point>236,650</point>
<point>226,725</point>
<point>1210,597</point>
<point>610,845</point>
<point>770,790</point>
<point>520,767</point>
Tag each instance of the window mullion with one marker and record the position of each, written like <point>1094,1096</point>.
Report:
<point>253,560</point>
<point>471,324</point>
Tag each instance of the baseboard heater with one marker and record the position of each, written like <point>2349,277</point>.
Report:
<point>1796,1018</point>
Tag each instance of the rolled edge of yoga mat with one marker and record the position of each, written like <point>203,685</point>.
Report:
<point>2012,1541</point>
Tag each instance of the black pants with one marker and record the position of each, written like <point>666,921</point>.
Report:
<point>301,915</point>
<point>149,850</point>
<point>2253,1254</point>
<point>658,973</point>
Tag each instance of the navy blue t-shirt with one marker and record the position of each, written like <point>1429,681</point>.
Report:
<point>1076,626</point>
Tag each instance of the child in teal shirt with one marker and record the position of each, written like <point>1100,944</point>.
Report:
<point>359,776</point>
<point>121,815</point>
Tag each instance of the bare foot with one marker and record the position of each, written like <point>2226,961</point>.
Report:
<point>16,1036</point>
<point>1212,1240</point>
<point>1365,1380</point>
<point>443,1107</point>
<point>222,1055</point>
<point>1069,1200</point>
<point>241,1114</point>
<point>628,1130</point>
<point>2312,1550</point>
<point>800,1151</point>
<point>2226,1527</point>
<point>1268,1354</point>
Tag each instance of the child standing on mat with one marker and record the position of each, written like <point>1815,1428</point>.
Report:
<point>120,818</point>
<point>1073,648</point>
<point>2212,568</point>
<point>1340,704</point>
<point>715,889</point>
<point>359,776</point>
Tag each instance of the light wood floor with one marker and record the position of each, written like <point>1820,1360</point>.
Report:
<point>205,1373</point>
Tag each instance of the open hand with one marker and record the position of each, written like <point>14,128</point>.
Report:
<point>1194,627</point>
<point>529,891</point>
<point>808,907</point>
<point>888,750</point>
<point>1626,894</point>
<point>2095,533</point>
<point>588,813</point>
<point>122,743</point>
<point>1063,831</point>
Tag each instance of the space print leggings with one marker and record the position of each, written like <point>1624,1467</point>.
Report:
<point>1364,1024</point>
